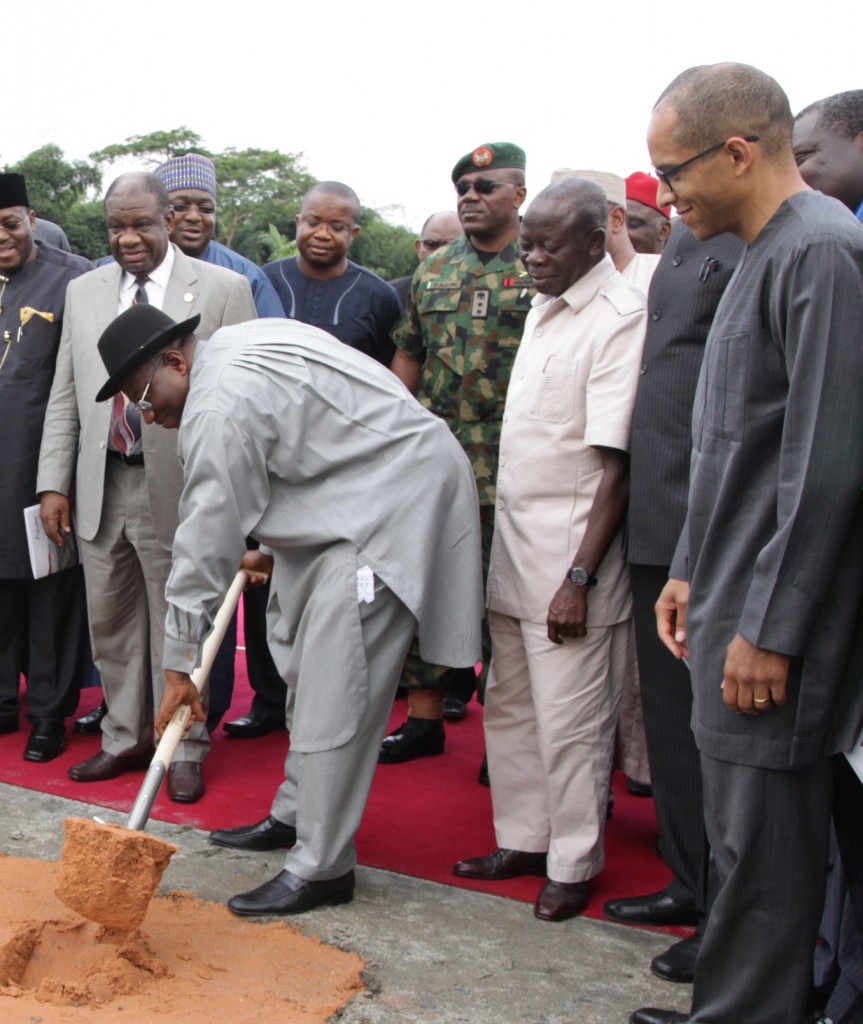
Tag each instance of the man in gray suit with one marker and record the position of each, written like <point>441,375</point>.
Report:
<point>314,449</point>
<point>766,592</point>
<point>124,475</point>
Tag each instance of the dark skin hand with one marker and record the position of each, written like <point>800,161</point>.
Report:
<point>180,689</point>
<point>671,617</point>
<point>56,516</point>
<point>753,681</point>
<point>567,613</point>
<point>408,371</point>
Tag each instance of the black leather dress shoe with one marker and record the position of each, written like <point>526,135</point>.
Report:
<point>559,901</point>
<point>268,834</point>
<point>502,864</point>
<point>677,963</point>
<point>636,788</point>
<point>47,740</point>
<point>8,723</point>
<point>287,893</point>
<point>91,723</point>
<point>417,737</point>
<point>254,724</point>
<point>454,709</point>
<point>185,782</point>
<point>104,766</point>
<point>655,908</point>
<point>650,1015</point>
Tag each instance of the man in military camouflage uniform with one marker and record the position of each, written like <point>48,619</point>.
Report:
<point>455,347</point>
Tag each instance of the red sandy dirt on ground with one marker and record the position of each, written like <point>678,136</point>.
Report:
<point>189,961</point>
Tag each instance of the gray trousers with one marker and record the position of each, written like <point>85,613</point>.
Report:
<point>325,792</point>
<point>769,835</point>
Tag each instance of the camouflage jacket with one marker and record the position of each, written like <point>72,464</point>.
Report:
<point>464,322</point>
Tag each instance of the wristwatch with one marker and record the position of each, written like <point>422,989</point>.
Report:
<point>579,577</point>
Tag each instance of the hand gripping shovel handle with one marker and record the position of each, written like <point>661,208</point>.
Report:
<point>174,729</point>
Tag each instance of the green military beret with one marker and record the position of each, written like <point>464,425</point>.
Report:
<point>488,157</point>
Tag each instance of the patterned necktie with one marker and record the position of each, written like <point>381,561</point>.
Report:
<point>126,429</point>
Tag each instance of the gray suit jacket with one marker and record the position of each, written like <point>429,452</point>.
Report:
<point>76,430</point>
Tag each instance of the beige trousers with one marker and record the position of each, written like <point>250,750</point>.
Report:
<point>550,718</point>
<point>125,572</point>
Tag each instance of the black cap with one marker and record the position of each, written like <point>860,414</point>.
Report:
<point>13,191</point>
<point>130,340</point>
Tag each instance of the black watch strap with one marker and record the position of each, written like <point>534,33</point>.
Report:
<point>580,577</point>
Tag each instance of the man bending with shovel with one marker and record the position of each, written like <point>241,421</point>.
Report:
<point>318,452</point>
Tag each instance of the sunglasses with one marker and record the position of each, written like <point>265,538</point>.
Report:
<point>482,186</point>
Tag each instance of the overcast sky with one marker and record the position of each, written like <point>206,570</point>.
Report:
<point>387,96</point>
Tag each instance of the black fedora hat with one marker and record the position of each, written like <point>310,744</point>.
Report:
<point>132,338</point>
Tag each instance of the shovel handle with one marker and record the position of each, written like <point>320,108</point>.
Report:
<point>176,727</point>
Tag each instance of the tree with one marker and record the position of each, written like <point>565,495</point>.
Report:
<point>278,246</point>
<point>54,185</point>
<point>155,147</point>
<point>259,193</point>
<point>84,225</point>
<point>257,188</point>
<point>383,248</point>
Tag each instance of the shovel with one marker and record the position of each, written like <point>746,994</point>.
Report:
<point>109,872</point>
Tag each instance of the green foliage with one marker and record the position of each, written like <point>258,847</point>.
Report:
<point>53,184</point>
<point>387,250</point>
<point>257,188</point>
<point>155,147</point>
<point>259,193</point>
<point>279,246</point>
<point>84,225</point>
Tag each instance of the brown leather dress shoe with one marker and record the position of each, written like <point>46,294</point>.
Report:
<point>103,766</point>
<point>559,901</point>
<point>502,864</point>
<point>185,782</point>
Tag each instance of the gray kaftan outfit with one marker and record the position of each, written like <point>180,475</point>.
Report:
<point>317,451</point>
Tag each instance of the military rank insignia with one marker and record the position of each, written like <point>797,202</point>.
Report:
<point>479,305</point>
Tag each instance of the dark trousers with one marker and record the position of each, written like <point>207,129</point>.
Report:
<point>270,691</point>
<point>44,636</point>
<point>460,682</point>
<point>769,835</point>
<point>839,958</point>
<point>675,766</point>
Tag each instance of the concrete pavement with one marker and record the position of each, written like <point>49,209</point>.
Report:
<point>436,954</point>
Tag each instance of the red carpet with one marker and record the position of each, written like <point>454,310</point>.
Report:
<point>421,818</point>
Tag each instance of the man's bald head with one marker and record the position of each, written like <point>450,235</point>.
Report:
<point>719,101</point>
<point>338,190</point>
<point>139,182</point>
<point>439,230</point>
<point>563,234</point>
<point>578,201</point>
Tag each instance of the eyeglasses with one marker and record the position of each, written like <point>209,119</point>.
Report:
<point>11,224</point>
<point>142,405</point>
<point>206,209</point>
<point>482,186</point>
<point>672,172</point>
